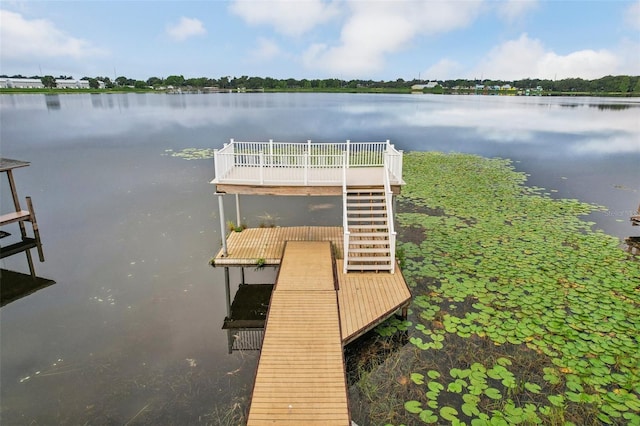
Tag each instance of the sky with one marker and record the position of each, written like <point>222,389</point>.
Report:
<point>319,39</point>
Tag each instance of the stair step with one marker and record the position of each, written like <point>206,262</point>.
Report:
<point>384,250</point>
<point>368,267</point>
<point>381,205</point>
<point>384,234</point>
<point>358,259</point>
<point>366,210</point>
<point>366,196</point>
<point>377,219</point>
<point>361,243</point>
<point>381,227</point>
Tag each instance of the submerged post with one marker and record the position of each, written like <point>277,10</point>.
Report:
<point>222,223</point>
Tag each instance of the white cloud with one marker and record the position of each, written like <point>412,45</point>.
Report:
<point>288,17</point>
<point>266,49</point>
<point>376,29</point>
<point>615,144</point>
<point>632,16</point>
<point>528,58</point>
<point>512,10</point>
<point>444,69</point>
<point>22,38</point>
<point>185,28</point>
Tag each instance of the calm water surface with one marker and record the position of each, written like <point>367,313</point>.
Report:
<point>131,331</point>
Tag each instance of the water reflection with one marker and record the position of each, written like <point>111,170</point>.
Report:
<point>16,285</point>
<point>52,102</point>
<point>96,101</point>
<point>246,311</point>
<point>614,107</point>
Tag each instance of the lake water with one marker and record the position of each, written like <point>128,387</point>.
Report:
<point>131,331</point>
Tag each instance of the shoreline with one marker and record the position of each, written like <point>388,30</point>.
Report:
<point>4,91</point>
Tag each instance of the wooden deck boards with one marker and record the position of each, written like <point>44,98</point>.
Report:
<point>301,377</point>
<point>246,247</point>
<point>366,299</point>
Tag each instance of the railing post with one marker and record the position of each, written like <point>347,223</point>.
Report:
<point>215,164</point>
<point>345,159</point>
<point>261,168</point>
<point>237,209</point>
<point>348,152</point>
<point>306,168</point>
<point>393,251</point>
<point>222,224</point>
<point>345,220</point>
<point>271,152</point>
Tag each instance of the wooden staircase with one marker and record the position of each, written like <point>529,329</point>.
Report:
<point>370,246</point>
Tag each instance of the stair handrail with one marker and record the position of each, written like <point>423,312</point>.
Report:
<point>388,196</point>
<point>345,221</point>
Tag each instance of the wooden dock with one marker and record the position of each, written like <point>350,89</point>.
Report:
<point>321,300</point>
<point>365,299</point>
<point>301,374</point>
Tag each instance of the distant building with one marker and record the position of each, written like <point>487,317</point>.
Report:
<point>421,87</point>
<point>21,83</point>
<point>36,83</point>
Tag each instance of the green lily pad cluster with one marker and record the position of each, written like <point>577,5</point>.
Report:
<point>504,263</point>
<point>191,153</point>
<point>472,387</point>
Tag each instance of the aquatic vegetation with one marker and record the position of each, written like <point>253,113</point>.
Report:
<point>531,315</point>
<point>191,153</point>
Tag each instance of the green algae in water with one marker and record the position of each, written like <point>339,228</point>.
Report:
<point>539,280</point>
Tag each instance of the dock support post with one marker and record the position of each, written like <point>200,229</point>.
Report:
<point>405,312</point>
<point>227,289</point>
<point>223,234</point>
<point>237,209</point>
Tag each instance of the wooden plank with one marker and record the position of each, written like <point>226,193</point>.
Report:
<point>366,299</point>
<point>9,164</point>
<point>14,217</point>
<point>246,247</point>
<point>300,377</point>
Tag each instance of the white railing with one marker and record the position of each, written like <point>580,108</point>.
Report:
<point>345,219</point>
<point>301,163</point>
<point>390,217</point>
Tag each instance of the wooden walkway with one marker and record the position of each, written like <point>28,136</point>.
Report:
<point>301,374</point>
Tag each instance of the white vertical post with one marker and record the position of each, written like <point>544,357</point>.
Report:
<point>216,169</point>
<point>348,152</point>
<point>307,162</point>
<point>237,209</point>
<point>222,224</point>
<point>261,168</point>
<point>271,152</point>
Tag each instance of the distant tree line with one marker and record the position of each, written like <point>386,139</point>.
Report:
<point>623,84</point>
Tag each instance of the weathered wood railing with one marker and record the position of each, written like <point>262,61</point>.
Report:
<point>294,163</point>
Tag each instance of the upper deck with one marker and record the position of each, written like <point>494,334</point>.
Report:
<point>310,168</point>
